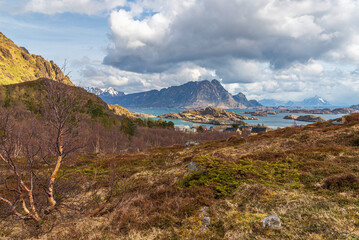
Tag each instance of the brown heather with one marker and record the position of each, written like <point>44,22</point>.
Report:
<point>308,176</point>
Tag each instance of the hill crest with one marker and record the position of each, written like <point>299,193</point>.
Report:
<point>17,65</point>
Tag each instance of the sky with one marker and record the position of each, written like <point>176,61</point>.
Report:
<point>267,49</point>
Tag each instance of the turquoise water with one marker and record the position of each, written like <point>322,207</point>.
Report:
<point>272,121</point>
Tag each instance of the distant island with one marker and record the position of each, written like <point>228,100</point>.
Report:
<point>209,115</point>
<point>272,111</point>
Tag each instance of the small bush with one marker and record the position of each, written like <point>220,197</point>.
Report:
<point>356,142</point>
<point>342,182</point>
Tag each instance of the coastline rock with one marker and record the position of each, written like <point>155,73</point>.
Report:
<point>294,117</point>
<point>310,118</point>
<point>143,115</point>
<point>120,111</point>
<point>209,115</point>
<point>257,113</point>
<point>344,111</point>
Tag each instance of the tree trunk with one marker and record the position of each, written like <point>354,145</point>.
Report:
<point>54,173</point>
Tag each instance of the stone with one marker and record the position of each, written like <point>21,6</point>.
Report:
<point>191,143</point>
<point>205,219</point>
<point>291,117</point>
<point>192,166</point>
<point>271,221</point>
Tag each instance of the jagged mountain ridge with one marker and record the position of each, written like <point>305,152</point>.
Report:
<point>17,65</point>
<point>308,102</point>
<point>241,98</point>
<point>190,95</point>
<point>106,94</point>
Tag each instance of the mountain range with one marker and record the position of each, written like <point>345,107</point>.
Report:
<point>308,102</point>
<point>106,94</point>
<point>190,95</point>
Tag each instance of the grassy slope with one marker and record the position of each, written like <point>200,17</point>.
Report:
<point>308,176</point>
<point>31,94</point>
<point>121,111</point>
<point>17,65</point>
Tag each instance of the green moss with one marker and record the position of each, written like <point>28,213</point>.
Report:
<point>224,176</point>
<point>221,175</point>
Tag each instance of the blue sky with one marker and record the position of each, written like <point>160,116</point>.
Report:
<point>286,50</point>
<point>58,37</point>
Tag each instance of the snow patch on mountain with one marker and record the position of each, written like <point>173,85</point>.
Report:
<point>105,92</point>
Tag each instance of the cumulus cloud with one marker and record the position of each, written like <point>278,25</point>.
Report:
<point>278,32</point>
<point>89,7</point>
<point>287,49</point>
<point>99,75</point>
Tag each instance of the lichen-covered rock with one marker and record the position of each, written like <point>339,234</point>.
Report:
<point>205,219</point>
<point>193,166</point>
<point>191,143</point>
<point>271,221</point>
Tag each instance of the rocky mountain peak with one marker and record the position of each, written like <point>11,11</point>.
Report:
<point>190,95</point>
<point>18,65</point>
<point>241,98</point>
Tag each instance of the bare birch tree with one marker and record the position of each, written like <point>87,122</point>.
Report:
<point>23,184</point>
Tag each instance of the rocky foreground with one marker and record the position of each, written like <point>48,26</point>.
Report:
<point>209,115</point>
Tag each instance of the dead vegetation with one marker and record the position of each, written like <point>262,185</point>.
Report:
<point>308,176</point>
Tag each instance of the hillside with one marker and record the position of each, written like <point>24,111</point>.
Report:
<point>33,95</point>
<point>187,96</point>
<point>17,65</point>
<point>307,176</point>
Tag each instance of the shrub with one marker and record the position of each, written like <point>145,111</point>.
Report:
<point>341,182</point>
<point>356,142</point>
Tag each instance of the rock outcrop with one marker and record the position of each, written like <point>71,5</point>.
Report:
<point>209,115</point>
<point>121,111</point>
<point>294,117</point>
<point>17,65</point>
<point>271,221</point>
<point>242,99</point>
<point>310,118</point>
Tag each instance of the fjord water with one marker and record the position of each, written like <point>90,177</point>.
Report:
<point>272,121</point>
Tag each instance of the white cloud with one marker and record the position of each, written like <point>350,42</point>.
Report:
<point>291,49</point>
<point>89,7</point>
<point>99,75</point>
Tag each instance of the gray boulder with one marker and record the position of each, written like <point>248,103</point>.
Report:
<point>205,219</point>
<point>191,143</point>
<point>271,221</point>
<point>192,166</point>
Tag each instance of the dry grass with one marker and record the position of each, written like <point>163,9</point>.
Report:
<point>308,176</point>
